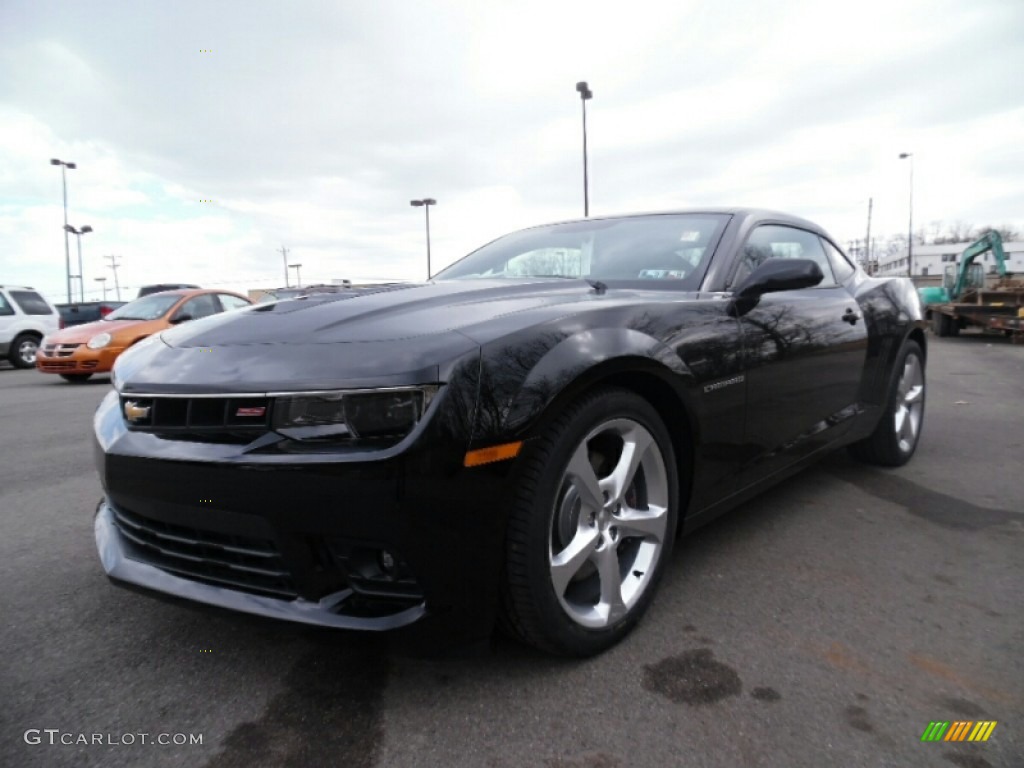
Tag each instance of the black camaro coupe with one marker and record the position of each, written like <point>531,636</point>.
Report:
<point>518,441</point>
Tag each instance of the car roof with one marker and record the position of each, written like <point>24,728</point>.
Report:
<point>190,292</point>
<point>737,211</point>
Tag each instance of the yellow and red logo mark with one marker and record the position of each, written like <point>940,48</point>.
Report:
<point>958,730</point>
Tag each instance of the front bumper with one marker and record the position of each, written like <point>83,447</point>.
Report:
<point>81,360</point>
<point>328,611</point>
<point>302,537</point>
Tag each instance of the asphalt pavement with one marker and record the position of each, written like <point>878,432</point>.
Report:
<point>828,622</point>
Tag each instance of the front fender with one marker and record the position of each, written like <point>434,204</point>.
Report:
<point>524,378</point>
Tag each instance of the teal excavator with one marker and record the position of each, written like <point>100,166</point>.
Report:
<point>966,277</point>
<point>963,299</point>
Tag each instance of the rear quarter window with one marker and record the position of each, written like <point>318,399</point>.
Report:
<point>5,306</point>
<point>31,303</point>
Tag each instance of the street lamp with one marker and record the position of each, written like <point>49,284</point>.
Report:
<point>298,274</point>
<point>102,281</point>
<point>426,202</point>
<point>910,226</point>
<point>585,95</point>
<point>67,250</point>
<point>81,278</point>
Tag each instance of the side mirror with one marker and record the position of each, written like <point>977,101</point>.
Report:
<point>181,317</point>
<point>772,276</point>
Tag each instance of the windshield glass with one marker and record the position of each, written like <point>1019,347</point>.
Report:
<point>148,308</point>
<point>657,247</point>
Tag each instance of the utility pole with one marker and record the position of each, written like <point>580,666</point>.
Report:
<point>867,240</point>
<point>284,254</point>
<point>114,265</point>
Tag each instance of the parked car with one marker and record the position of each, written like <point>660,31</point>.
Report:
<point>78,352</point>
<point>281,294</point>
<point>86,312</point>
<point>146,290</point>
<point>25,318</point>
<point>522,437</point>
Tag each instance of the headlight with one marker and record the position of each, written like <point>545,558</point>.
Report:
<point>359,414</point>
<point>99,341</point>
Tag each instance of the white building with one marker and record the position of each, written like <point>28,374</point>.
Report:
<point>931,260</point>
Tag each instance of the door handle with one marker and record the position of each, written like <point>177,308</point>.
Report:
<point>850,316</point>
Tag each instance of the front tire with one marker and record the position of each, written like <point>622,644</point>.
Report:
<point>592,527</point>
<point>895,439</point>
<point>23,351</point>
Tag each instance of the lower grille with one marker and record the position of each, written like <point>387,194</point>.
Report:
<point>249,564</point>
<point>46,365</point>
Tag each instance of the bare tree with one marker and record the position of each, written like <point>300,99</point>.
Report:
<point>1006,232</point>
<point>957,232</point>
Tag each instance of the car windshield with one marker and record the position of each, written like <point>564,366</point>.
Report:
<point>656,247</point>
<point>148,308</point>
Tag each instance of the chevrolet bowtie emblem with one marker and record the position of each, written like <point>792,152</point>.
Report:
<point>135,412</point>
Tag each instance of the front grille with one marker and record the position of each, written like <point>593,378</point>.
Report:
<point>239,562</point>
<point>46,365</point>
<point>245,415</point>
<point>60,350</point>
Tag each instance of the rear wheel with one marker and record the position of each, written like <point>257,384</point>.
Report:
<point>944,325</point>
<point>895,438</point>
<point>593,525</point>
<point>76,378</point>
<point>24,350</point>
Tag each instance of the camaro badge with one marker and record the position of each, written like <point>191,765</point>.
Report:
<point>135,412</point>
<point>727,382</point>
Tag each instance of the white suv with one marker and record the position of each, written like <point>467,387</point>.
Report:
<point>25,318</point>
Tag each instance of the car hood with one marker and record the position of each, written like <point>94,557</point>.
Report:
<point>397,313</point>
<point>396,335</point>
<point>80,334</point>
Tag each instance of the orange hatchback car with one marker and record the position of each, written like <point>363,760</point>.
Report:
<point>78,352</point>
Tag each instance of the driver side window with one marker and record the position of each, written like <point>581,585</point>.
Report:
<point>772,241</point>
<point>203,305</point>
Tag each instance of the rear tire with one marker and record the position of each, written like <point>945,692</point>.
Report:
<point>944,325</point>
<point>23,351</point>
<point>76,378</point>
<point>895,439</point>
<point>592,525</point>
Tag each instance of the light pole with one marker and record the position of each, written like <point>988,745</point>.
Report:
<point>585,95</point>
<point>426,202</point>
<point>910,225</point>
<point>284,255</point>
<point>102,281</point>
<point>298,274</point>
<point>81,278</point>
<point>67,250</point>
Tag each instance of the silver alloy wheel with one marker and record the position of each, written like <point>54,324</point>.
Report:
<point>909,404</point>
<point>27,351</point>
<point>609,523</point>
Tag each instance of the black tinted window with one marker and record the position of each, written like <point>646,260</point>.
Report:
<point>5,308</point>
<point>31,303</point>
<point>773,241</point>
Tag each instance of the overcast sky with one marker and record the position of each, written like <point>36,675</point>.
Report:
<point>312,124</point>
